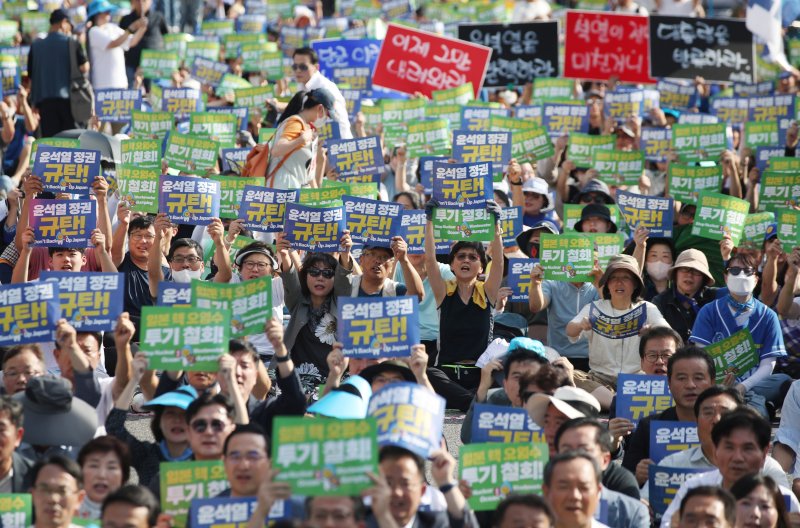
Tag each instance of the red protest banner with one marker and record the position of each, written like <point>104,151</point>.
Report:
<point>412,61</point>
<point>604,45</point>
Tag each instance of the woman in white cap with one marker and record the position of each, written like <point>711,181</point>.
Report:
<point>612,326</point>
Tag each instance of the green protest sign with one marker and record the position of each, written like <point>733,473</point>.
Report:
<point>151,124</point>
<point>755,227</point>
<point>217,28</point>
<point>395,116</point>
<point>231,189</point>
<point>736,354</point>
<point>476,225</point>
<point>549,88</point>
<point>186,339</point>
<point>373,117</point>
<point>54,142</point>
<point>685,181</point>
<point>202,48</point>
<point>327,196</point>
<point>495,470</point>
<point>570,257</point>
<point>531,145</point>
<point>618,167</point>
<point>176,43</point>
<point>364,189</point>
<point>138,187</point>
<point>191,154</point>
<point>8,31</point>
<point>35,22</point>
<point>460,95</point>
<point>215,125</point>
<point>12,10</point>
<point>230,83</point>
<point>582,146</point>
<point>718,215</point>
<point>510,124</point>
<point>234,41</point>
<point>572,215</point>
<point>448,111</point>
<point>325,456</point>
<point>144,153</point>
<point>784,164</point>
<point>699,141</point>
<point>249,302</point>
<point>183,481</point>
<point>430,137</point>
<point>157,64</point>
<point>255,97</point>
<point>760,134</point>
<point>778,189</point>
<point>788,227</point>
<point>269,62</point>
<point>16,508</point>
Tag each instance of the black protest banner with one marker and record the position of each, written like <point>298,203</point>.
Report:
<point>520,52</point>
<point>717,49</point>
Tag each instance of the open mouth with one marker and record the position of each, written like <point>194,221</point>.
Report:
<point>101,488</point>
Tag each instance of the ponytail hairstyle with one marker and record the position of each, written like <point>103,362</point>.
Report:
<point>302,100</point>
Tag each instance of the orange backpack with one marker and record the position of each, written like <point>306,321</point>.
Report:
<point>257,162</point>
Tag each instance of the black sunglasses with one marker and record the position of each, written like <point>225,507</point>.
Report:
<point>736,270</point>
<point>316,272</point>
<point>200,426</point>
<point>301,67</point>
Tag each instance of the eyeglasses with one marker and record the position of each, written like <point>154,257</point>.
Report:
<point>17,374</point>
<point>200,426</point>
<point>691,271</point>
<point>737,270</point>
<point>251,456</point>
<point>251,265</point>
<point>652,357</point>
<point>139,237</point>
<point>301,67</point>
<point>60,491</point>
<point>183,260</point>
<point>472,257</point>
<point>316,272</point>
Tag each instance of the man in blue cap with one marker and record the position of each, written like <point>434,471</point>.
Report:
<point>524,356</point>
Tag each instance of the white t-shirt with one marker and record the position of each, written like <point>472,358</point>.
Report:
<point>525,11</point>
<point>677,8</point>
<point>108,65</point>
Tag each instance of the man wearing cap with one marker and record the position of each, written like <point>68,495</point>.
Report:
<point>549,412</point>
<point>691,289</point>
<point>376,263</point>
<point>523,357</point>
<point>305,65</point>
<point>49,71</point>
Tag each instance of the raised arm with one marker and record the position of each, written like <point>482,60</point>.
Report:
<point>434,276</point>
<point>98,240</point>
<point>410,275</point>
<point>100,187</point>
<point>496,251</point>
<point>536,299</point>
<point>786,297</point>
<point>123,334</point>
<point>20,273</point>
<point>155,259</point>
<point>221,255</point>
<point>120,236</point>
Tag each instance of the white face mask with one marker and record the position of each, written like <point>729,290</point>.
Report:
<point>658,270</point>
<point>741,284</point>
<point>320,122</point>
<point>185,276</point>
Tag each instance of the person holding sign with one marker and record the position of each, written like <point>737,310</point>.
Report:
<point>613,325</point>
<point>465,308</point>
<point>736,311</point>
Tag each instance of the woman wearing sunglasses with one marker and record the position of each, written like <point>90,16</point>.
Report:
<point>311,289</point>
<point>735,311</point>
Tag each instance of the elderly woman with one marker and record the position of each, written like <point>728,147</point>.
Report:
<point>614,350</point>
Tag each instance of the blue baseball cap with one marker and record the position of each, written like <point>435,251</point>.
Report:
<point>771,232</point>
<point>180,398</point>
<point>348,401</point>
<point>526,343</point>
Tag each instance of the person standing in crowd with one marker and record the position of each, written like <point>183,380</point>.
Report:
<point>156,27</point>
<point>49,72</point>
<point>305,65</point>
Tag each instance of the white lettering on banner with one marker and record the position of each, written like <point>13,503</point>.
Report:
<point>687,33</point>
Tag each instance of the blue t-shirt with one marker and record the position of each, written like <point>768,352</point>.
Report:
<point>530,220</point>
<point>565,301</point>
<point>716,321</point>
<point>428,312</point>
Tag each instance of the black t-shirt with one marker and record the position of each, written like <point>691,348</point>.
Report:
<point>137,287</point>
<point>153,37</point>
